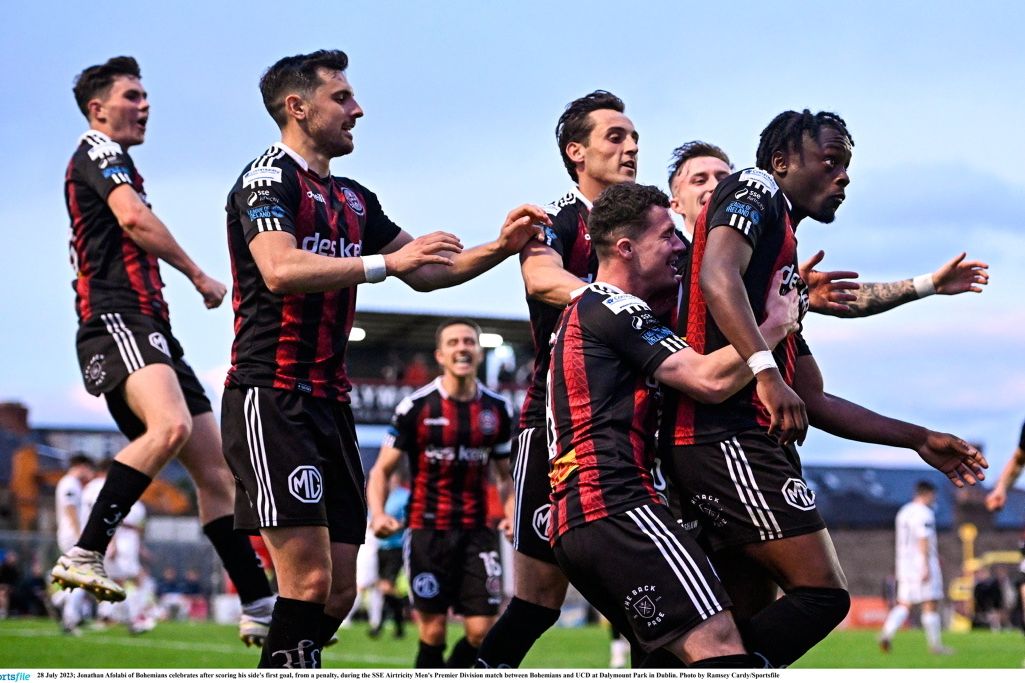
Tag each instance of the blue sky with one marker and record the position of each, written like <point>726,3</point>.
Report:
<point>461,100</point>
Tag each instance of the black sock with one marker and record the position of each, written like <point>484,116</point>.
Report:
<point>328,627</point>
<point>743,661</point>
<point>393,604</point>
<point>292,642</point>
<point>463,655</point>
<point>515,632</point>
<point>238,558</point>
<point>123,487</point>
<point>782,632</point>
<point>430,656</point>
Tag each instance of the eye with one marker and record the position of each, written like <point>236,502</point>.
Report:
<point>830,163</point>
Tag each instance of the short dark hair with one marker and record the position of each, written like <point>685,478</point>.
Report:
<point>96,80</point>
<point>575,124</point>
<point>449,322</point>
<point>786,133</point>
<point>80,459</point>
<point>924,486</point>
<point>296,74</point>
<point>622,208</point>
<point>691,150</point>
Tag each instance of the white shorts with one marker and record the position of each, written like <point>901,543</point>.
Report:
<point>915,591</point>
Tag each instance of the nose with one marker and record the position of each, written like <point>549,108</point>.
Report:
<point>677,244</point>
<point>843,179</point>
<point>357,111</point>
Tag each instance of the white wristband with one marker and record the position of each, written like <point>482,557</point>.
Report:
<point>924,286</point>
<point>374,268</point>
<point>761,360</point>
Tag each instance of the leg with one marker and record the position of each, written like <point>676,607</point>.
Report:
<point>933,625</point>
<point>430,654</point>
<point>203,458</point>
<point>894,620</point>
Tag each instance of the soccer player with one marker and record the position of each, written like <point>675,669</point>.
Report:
<point>919,581</point>
<point>301,240</point>
<point>997,498</point>
<point>697,167</point>
<point>450,430</point>
<point>127,351</point>
<point>735,462</point>
<point>609,355</point>
<point>68,501</point>
<point>598,144</point>
<point>389,559</point>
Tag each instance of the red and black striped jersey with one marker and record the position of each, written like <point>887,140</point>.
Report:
<point>297,342</point>
<point>751,203</point>
<point>113,274</point>
<point>603,405</point>
<point>568,236</point>
<point>449,443</point>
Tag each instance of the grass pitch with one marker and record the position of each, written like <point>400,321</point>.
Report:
<point>27,644</point>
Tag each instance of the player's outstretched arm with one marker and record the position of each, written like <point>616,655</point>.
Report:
<point>956,276</point>
<point>997,498</point>
<point>727,254</point>
<point>829,292</point>
<point>520,226</point>
<point>150,233</point>
<point>962,463</point>
<point>545,276</point>
<point>381,523</point>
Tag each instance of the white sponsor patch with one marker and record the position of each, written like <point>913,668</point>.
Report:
<point>617,303</point>
<point>759,177</point>
<point>257,174</point>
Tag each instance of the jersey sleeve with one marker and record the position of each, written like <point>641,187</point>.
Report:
<point>561,234</point>
<point>380,230</point>
<point>744,202</point>
<point>802,346</point>
<point>104,167</point>
<point>266,200</point>
<point>625,324</point>
<point>402,430</point>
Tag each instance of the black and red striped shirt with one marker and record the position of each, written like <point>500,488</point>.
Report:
<point>449,444</point>
<point>297,342</point>
<point>751,203</point>
<point>113,274</point>
<point>603,405</point>
<point>569,238</point>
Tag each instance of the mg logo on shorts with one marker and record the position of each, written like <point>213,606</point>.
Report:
<point>425,585</point>
<point>798,495</point>
<point>306,484</point>
<point>542,516</point>
<point>159,342</point>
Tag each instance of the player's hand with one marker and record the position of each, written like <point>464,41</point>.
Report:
<point>433,248</point>
<point>506,528</point>
<point>788,417</point>
<point>957,276</point>
<point>782,312</point>
<point>524,223</point>
<point>384,526</point>
<point>997,499</point>
<point>962,463</point>
<point>828,291</point>
<point>211,290</point>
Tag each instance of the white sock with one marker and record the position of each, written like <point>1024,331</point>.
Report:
<point>375,608</point>
<point>894,620</point>
<point>931,624</point>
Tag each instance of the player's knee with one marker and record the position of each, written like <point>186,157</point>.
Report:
<point>172,434</point>
<point>826,607</point>
<point>341,598</point>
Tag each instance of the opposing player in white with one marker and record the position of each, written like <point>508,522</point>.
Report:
<point>68,498</point>
<point>919,581</point>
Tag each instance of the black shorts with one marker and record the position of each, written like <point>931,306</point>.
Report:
<point>296,462</point>
<point>459,568</point>
<point>389,563</point>
<point>644,573</point>
<point>112,346</point>
<point>746,489</point>
<point>533,496</point>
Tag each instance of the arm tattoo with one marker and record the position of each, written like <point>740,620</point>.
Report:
<point>876,297</point>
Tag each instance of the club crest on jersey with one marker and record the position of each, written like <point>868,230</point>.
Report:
<point>618,303</point>
<point>488,422</point>
<point>353,200</point>
<point>305,484</point>
<point>426,585</point>
<point>642,604</point>
<point>94,372</point>
<point>798,495</point>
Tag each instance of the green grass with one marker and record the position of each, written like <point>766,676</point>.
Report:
<point>37,643</point>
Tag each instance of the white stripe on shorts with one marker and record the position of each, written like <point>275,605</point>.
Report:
<point>125,341</point>
<point>701,595</point>
<point>266,508</point>
<point>748,492</point>
<point>519,474</point>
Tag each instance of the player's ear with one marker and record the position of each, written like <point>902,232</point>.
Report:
<point>438,357</point>
<point>575,152</point>
<point>779,162</point>
<point>625,248</point>
<point>295,107</point>
<point>94,107</point>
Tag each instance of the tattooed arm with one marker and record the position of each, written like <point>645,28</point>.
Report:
<point>953,277</point>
